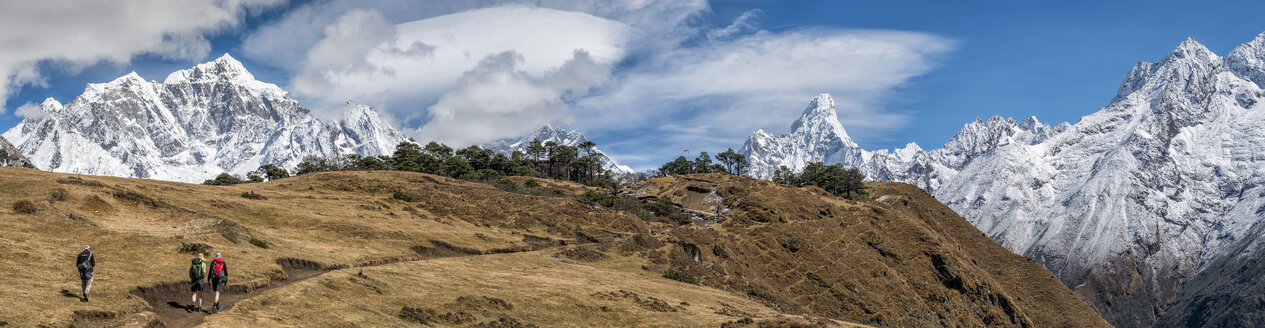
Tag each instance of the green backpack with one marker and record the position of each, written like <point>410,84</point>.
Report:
<point>195,271</point>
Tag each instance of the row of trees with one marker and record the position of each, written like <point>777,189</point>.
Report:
<point>730,162</point>
<point>844,182</point>
<point>581,163</point>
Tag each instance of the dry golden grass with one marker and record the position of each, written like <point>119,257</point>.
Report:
<point>542,290</point>
<point>900,259</point>
<point>782,256</point>
<point>337,219</point>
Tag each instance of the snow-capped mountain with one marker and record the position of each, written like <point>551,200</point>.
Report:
<point>212,118</point>
<point>818,136</point>
<point>559,136</point>
<point>1125,206</point>
<point>10,156</point>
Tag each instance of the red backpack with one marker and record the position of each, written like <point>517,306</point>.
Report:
<point>217,268</point>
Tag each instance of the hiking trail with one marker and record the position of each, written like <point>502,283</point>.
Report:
<point>170,300</point>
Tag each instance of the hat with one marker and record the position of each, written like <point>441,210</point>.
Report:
<point>85,247</point>
<point>217,255</point>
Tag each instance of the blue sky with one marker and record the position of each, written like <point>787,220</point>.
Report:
<point>660,76</point>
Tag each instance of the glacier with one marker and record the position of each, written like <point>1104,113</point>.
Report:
<point>1125,206</point>
<point>214,117</point>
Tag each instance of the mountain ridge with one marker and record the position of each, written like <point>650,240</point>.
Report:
<point>211,118</point>
<point>1127,204</point>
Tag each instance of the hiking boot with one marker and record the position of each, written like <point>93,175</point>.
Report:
<point>215,308</point>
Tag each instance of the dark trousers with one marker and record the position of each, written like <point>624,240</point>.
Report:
<point>87,286</point>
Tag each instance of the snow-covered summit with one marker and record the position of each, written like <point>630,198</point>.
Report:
<point>211,118</point>
<point>225,69</point>
<point>51,105</point>
<point>816,135</point>
<point>821,116</point>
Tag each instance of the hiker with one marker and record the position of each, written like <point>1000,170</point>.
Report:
<point>197,276</point>
<point>85,262</point>
<point>219,277</point>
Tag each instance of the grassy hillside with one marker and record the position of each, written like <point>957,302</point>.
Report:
<point>395,248</point>
<point>900,259</point>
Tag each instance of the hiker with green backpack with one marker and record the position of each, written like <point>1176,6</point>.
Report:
<point>197,276</point>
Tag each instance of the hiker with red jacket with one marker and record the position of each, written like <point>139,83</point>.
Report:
<point>85,262</point>
<point>219,277</point>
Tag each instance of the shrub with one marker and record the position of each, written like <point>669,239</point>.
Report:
<point>252,195</point>
<point>791,245</point>
<point>259,243</point>
<point>593,196</point>
<point>59,195</point>
<point>719,251</point>
<point>759,294</point>
<point>272,172</point>
<point>134,197</point>
<point>531,183</point>
<point>679,217</point>
<point>558,192</point>
<point>643,214</point>
<point>407,196</point>
<point>195,248</point>
<point>24,206</point>
<point>253,176</point>
<point>679,275</point>
<point>223,179</point>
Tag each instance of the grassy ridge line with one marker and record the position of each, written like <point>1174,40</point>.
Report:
<point>336,219</point>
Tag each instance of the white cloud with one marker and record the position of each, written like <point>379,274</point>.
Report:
<point>30,110</point>
<point>284,43</point>
<point>714,95</point>
<point>497,100</point>
<point>475,71</point>
<point>404,68</point>
<point>86,32</point>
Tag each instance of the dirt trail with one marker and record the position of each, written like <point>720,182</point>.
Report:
<point>171,300</point>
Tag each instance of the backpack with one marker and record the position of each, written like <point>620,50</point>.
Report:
<point>195,271</point>
<point>217,269</point>
<point>84,267</point>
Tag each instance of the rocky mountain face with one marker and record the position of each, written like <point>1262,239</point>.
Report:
<point>559,136</point>
<point>199,122</point>
<point>10,156</point>
<point>1130,206</point>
